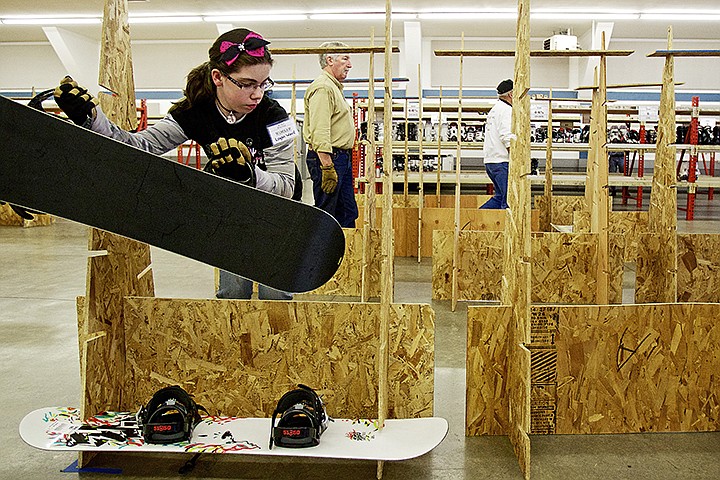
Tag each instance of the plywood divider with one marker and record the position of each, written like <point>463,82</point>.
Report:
<point>600,369</point>
<point>698,260</point>
<point>124,270</point>
<point>237,357</point>
<point>563,266</point>
<point>360,266</point>
<point>9,218</point>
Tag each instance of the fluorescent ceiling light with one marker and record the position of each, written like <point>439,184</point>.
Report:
<point>362,16</point>
<point>51,21</point>
<point>155,20</point>
<point>467,16</point>
<point>283,17</point>
<point>584,16</point>
<point>693,17</point>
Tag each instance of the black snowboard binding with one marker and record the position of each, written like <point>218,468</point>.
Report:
<point>302,419</point>
<point>170,416</point>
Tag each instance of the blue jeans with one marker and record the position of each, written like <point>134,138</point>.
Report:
<point>498,173</point>
<point>341,203</point>
<point>235,287</point>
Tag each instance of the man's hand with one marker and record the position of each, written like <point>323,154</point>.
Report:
<point>75,101</point>
<point>329,178</point>
<point>232,159</point>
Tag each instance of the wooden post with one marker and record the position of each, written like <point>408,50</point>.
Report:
<point>421,185</point>
<point>406,168</point>
<point>600,216</point>
<point>662,214</point>
<point>387,277</point>
<point>369,207</point>
<point>458,154</point>
<point>591,168</point>
<point>438,133</point>
<point>293,112</point>
<point>517,253</point>
<point>124,267</point>
<point>546,213</point>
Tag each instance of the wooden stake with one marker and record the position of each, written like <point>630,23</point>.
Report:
<point>336,50</point>
<point>456,235</point>
<point>406,168</point>
<point>517,252</point>
<point>663,194</point>
<point>387,277</point>
<point>421,185</point>
<point>601,186</point>
<point>546,214</point>
<point>113,276</point>
<point>438,133</point>
<point>533,53</point>
<point>370,167</point>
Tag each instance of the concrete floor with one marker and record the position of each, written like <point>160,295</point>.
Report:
<point>42,270</point>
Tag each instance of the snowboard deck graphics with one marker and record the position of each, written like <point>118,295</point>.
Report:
<point>56,167</point>
<point>60,428</point>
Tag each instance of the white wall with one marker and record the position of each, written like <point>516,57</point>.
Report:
<point>163,65</point>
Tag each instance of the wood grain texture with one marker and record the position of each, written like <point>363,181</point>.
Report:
<point>239,356</point>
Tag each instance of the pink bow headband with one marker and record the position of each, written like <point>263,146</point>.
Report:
<point>253,45</point>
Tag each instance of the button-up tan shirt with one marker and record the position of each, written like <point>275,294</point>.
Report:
<point>328,116</point>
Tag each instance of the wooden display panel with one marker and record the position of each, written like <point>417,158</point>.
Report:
<point>347,281</point>
<point>656,267</point>
<point>238,357</point>
<point>486,373</point>
<point>600,369</point>
<point>563,267</point>
<point>628,226</point>
<point>121,272</point>
<point>480,270</point>
<point>638,368</point>
<point>11,219</point>
<point>405,225</point>
<point>563,207</point>
<point>698,267</point>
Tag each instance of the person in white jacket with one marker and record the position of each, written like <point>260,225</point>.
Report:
<point>497,144</point>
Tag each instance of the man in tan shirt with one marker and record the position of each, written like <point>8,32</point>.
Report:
<point>329,131</point>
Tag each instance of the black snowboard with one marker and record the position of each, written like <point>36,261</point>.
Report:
<point>55,167</point>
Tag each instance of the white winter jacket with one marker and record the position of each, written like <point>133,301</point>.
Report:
<point>497,133</point>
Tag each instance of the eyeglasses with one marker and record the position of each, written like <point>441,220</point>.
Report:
<point>264,86</point>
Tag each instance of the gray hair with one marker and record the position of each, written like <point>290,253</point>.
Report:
<point>323,56</point>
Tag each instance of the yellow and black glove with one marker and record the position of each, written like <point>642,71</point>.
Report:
<point>75,101</point>
<point>329,178</point>
<point>231,159</point>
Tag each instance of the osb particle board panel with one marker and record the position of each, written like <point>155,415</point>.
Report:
<point>698,267</point>
<point>600,369</point>
<point>448,201</point>
<point>628,224</point>
<point>9,218</point>
<point>347,280</point>
<point>399,200</point>
<point>111,277</point>
<point>479,265</point>
<point>638,368</point>
<point>486,401</point>
<point>563,267</point>
<point>656,278</point>
<point>470,219</point>
<point>238,357</point>
<point>405,221</point>
<point>563,207</point>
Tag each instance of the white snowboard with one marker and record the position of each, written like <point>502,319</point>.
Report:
<point>60,428</point>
